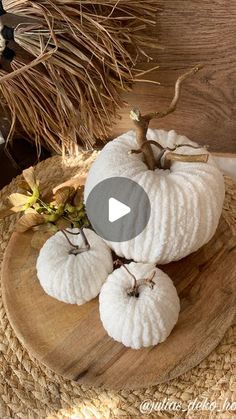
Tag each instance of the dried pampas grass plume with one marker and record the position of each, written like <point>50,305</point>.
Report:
<point>82,52</point>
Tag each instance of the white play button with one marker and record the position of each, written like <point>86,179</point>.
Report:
<point>117,210</point>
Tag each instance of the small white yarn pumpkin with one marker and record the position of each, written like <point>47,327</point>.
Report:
<point>143,320</point>
<point>71,278</point>
<point>186,201</point>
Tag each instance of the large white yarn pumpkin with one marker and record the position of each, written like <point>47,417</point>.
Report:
<point>186,201</point>
<point>71,278</point>
<point>140,321</point>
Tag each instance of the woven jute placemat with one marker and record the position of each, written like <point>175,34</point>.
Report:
<point>28,389</point>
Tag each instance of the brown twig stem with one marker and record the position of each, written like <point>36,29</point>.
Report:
<point>86,243</point>
<point>75,249</point>
<point>141,122</point>
<point>134,290</point>
<point>186,157</point>
<point>168,157</point>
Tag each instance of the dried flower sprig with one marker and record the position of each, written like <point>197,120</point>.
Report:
<point>65,209</point>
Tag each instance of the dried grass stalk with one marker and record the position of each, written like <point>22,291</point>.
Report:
<point>32,99</point>
<point>87,66</point>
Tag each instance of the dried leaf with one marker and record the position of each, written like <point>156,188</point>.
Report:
<point>74,182</point>
<point>63,195</point>
<point>21,202</point>
<point>79,196</point>
<point>18,201</point>
<point>30,211</point>
<point>16,209</point>
<point>29,177</point>
<point>47,196</point>
<point>28,221</point>
<point>42,227</point>
<point>23,186</point>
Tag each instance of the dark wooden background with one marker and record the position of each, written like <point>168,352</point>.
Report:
<point>192,32</point>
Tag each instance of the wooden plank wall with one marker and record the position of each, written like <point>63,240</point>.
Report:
<point>193,31</point>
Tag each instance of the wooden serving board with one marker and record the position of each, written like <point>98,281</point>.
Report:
<point>70,339</point>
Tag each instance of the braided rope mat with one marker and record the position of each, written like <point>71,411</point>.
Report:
<point>28,389</point>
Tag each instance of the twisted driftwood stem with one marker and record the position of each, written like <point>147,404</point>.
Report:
<point>141,126</point>
<point>141,122</point>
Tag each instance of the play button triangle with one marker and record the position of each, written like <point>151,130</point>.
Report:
<point>117,210</point>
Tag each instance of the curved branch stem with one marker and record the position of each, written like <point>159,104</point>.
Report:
<point>134,290</point>
<point>171,108</point>
<point>86,243</point>
<point>119,262</point>
<point>141,122</point>
<point>189,158</point>
<point>158,145</point>
<point>203,158</point>
<point>75,249</point>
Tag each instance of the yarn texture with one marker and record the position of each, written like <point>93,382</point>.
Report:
<point>186,201</point>
<point>140,321</point>
<point>74,279</point>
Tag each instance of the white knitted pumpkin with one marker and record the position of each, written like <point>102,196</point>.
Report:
<point>186,201</point>
<point>71,278</point>
<point>139,321</point>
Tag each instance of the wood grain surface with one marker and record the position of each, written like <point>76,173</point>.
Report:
<point>70,339</point>
<point>192,32</point>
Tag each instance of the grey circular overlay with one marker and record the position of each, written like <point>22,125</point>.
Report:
<point>118,209</point>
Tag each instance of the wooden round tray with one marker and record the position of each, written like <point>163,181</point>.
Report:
<point>70,339</point>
